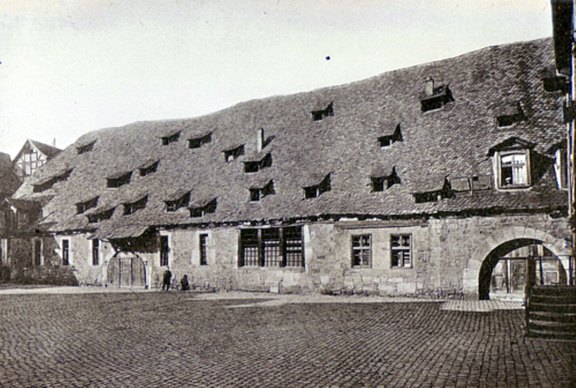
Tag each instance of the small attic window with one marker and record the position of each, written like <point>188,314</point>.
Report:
<point>317,190</point>
<point>200,141</point>
<point>255,166</point>
<point>201,211</point>
<point>149,169</point>
<point>120,180</point>
<point>234,153</point>
<point>100,216</point>
<point>321,114</point>
<point>434,97</point>
<point>171,138</point>
<point>178,203</point>
<point>555,84</point>
<point>47,184</point>
<point>81,207</point>
<point>132,207</point>
<point>434,195</point>
<point>256,194</point>
<point>388,140</point>
<point>508,120</point>
<point>380,183</point>
<point>86,148</point>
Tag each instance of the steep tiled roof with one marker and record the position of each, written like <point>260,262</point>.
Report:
<point>48,150</point>
<point>453,141</point>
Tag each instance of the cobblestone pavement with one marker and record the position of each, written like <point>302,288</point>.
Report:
<point>150,339</point>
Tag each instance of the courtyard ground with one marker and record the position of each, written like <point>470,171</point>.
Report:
<point>82,337</point>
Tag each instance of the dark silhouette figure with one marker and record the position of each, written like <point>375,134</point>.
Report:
<point>166,280</point>
<point>184,284</point>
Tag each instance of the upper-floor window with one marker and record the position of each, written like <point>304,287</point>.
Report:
<point>257,165</point>
<point>434,97</point>
<point>178,201</point>
<point>514,170</point>
<point>198,142</point>
<point>388,140</point>
<point>321,114</point>
<point>382,182</point>
<point>316,190</point>
<point>256,194</point>
<point>172,138</point>
<point>233,153</point>
<point>119,179</point>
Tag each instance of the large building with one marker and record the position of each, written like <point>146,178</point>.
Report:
<point>414,182</point>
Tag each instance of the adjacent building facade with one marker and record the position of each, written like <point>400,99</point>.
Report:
<point>414,182</point>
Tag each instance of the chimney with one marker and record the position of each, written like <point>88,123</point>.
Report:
<point>259,139</point>
<point>428,87</point>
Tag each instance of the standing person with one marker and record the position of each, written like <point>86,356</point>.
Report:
<point>166,280</point>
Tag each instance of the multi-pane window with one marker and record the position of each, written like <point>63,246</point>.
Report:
<point>401,250</point>
<point>95,252</point>
<point>203,249</point>
<point>65,252</point>
<point>164,251</point>
<point>272,247</point>
<point>37,254</point>
<point>513,170</point>
<point>362,250</point>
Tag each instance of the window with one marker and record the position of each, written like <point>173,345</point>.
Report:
<point>203,246</point>
<point>256,194</point>
<point>255,166</point>
<point>271,247</point>
<point>47,184</point>
<point>201,211</point>
<point>200,141</point>
<point>81,207</point>
<point>100,216</point>
<point>164,251</point>
<point>151,168</point>
<point>362,250</point>
<point>555,84</point>
<point>401,250</point>
<point>317,190</point>
<point>511,116</point>
<point>86,148</point>
<point>95,251</point>
<point>174,205</point>
<point>171,138</point>
<point>388,140</point>
<point>381,183</point>
<point>132,207</point>
<point>65,252</point>
<point>234,153</point>
<point>513,170</point>
<point>37,253</point>
<point>321,114</point>
<point>119,180</point>
<point>433,97</point>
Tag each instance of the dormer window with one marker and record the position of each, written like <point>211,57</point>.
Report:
<point>200,141</point>
<point>119,180</point>
<point>510,116</point>
<point>234,153</point>
<point>149,168</point>
<point>132,207</point>
<point>203,209</point>
<point>48,183</point>
<point>512,163</point>
<point>86,148</point>
<point>100,215</point>
<point>555,84</point>
<point>256,194</point>
<point>434,191</point>
<point>388,140</point>
<point>172,138</point>
<point>81,207</point>
<point>321,114</point>
<point>316,190</point>
<point>434,97</point>
<point>181,200</point>
<point>383,182</point>
<point>255,166</point>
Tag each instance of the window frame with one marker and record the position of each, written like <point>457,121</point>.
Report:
<point>362,262</point>
<point>95,245</point>
<point>164,250</point>
<point>499,156</point>
<point>394,248</point>
<point>37,252</point>
<point>203,248</point>
<point>272,247</point>
<point>65,244</point>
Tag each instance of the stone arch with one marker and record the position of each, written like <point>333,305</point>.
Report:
<point>127,269</point>
<point>503,239</point>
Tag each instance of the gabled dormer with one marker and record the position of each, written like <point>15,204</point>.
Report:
<point>511,161</point>
<point>391,137</point>
<point>434,96</point>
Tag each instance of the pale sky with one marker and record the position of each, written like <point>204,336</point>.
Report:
<point>70,67</point>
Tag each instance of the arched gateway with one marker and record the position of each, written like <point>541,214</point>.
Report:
<point>126,269</point>
<point>478,273</point>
